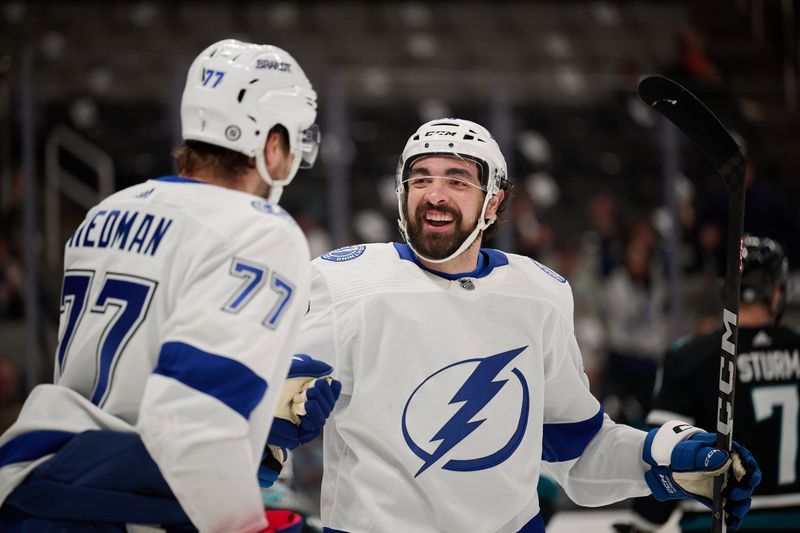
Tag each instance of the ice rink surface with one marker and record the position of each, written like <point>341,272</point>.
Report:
<point>596,522</point>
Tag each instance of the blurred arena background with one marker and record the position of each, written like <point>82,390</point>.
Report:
<point>607,193</point>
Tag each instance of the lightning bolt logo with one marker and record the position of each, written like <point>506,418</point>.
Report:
<point>476,392</point>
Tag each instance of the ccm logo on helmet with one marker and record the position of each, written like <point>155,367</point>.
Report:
<point>440,132</point>
<point>273,65</point>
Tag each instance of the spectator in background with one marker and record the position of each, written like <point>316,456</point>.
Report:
<point>602,212</point>
<point>693,60</point>
<point>695,69</point>
<point>634,299</point>
<point>533,232</point>
<point>697,293</point>
<point>319,240</point>
<point>768,213</point>
<point>11,282</point>
<point>10,393</point>
<point>576,264</point>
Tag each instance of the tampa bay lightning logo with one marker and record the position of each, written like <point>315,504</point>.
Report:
<point>347,253</point>
<point>477,392</point>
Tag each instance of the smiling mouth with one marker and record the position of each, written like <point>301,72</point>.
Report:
<point>438,219</point>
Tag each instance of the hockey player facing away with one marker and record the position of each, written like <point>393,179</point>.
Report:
<point>461,377</point>
<point>767,397</point>
<point>182,299</point>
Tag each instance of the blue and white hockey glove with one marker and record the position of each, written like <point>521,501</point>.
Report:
<point>306,401</point>
<point>271,465</point>
<point>685,461</point>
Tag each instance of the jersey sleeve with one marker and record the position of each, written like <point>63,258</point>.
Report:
<point>321,331</point>
<point>226,348</point>
<point>596,461</point>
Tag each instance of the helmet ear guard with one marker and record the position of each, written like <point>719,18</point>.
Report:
<point>453,137</point>
<point>237,92</point>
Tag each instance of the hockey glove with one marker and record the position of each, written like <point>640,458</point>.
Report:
<point>271,465</point>
<point>306,401</point>
<point>685,461</point>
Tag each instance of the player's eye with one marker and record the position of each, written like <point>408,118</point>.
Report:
<point>420,181</point>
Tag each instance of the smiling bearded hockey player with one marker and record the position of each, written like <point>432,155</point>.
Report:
<point>461,377</point>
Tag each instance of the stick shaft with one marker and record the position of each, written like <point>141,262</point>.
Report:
<point>730,337</point>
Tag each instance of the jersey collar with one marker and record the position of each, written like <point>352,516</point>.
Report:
<point>179,179</point>
<point>488,259</point>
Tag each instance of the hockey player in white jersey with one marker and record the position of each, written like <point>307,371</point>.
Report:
<point>461,377</point>
<point>182,299</point>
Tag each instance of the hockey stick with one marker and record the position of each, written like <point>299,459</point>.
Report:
<point>683,109</point>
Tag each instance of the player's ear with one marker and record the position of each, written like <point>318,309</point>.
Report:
<point>277,146</point>
<point>775,299</point>
<point>494,203</point>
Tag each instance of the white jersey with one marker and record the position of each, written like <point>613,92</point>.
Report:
<point>181,304</point>
<point>456,392</point>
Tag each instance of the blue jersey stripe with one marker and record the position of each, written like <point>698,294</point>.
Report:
<point>566,441</point>
<point>33,445</point>
<point>227,380</point>
<point>179,179</point>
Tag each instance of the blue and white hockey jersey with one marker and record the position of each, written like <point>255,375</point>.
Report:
<point>457,391</point>
<point>181,304</point>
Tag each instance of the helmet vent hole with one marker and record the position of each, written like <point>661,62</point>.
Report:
<point>416,137</point>
<point>251,82</point>
<point>258,132</point>
<point>467,138</point>
<point>252,118</point>
<point>241,95</point>
<point>427,145</point>
<point>450,145</point>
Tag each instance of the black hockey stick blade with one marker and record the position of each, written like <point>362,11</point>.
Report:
<point>697,122</point>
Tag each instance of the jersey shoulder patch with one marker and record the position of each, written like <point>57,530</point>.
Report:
<point>550,272</point>
<point>346,253</point>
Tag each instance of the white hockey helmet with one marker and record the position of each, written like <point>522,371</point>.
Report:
<point>453,137</point>
<point>236,92</point>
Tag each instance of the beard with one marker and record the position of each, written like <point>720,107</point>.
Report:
<point>434,245</point>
